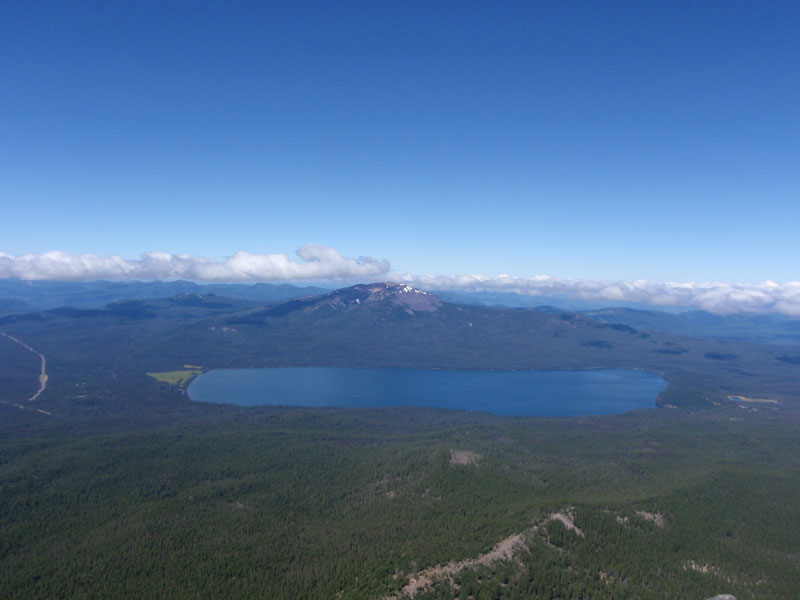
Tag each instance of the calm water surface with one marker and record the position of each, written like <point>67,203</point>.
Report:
<point>513,393</point>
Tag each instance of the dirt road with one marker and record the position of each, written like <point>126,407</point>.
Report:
<point>43,372</point>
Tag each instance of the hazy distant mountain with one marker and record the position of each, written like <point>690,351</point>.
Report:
<point>10,306</point>
<point>21,296</point>
<point>766,328</point>
<point>560,301</point>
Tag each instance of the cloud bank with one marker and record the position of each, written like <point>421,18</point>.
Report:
<point>722,298</point>
<point>316,262</point>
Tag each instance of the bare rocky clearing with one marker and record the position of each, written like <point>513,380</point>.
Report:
<point>463,458</point>
<point>506,550</point>
<point>656,518</point>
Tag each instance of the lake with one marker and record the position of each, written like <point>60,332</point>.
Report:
<point>510,393</point>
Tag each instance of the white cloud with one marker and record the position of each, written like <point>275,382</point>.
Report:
<point>316,262</point>
<point>723,298</point>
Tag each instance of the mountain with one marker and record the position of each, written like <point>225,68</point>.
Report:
<point>363,296</point>
<point>394,294</point>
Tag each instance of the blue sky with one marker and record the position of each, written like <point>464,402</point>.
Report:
<point>583,140</point>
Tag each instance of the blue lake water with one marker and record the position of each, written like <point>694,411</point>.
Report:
<point>511,393</point>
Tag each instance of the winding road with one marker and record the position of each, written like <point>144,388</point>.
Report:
<point>42,374</point>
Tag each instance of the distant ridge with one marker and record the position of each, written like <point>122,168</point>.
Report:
<point>17,296</point>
